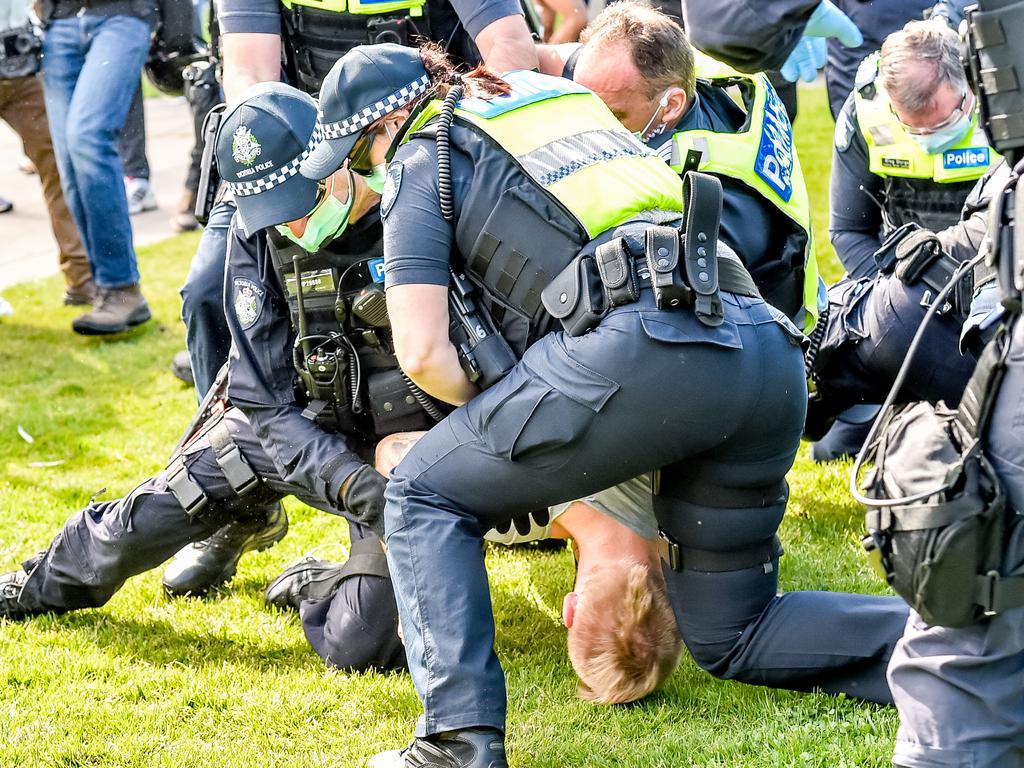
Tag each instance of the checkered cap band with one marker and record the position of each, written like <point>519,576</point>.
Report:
<point>374,112</point>
<point>281,175</point>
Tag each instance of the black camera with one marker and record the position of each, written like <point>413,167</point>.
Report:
<point>20,53</point>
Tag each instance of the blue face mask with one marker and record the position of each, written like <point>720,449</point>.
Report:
<point>943,139</point>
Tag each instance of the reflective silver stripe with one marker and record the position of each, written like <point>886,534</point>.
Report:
<point>372,113</point>
<point>563,157</point>
<point>281,175</point>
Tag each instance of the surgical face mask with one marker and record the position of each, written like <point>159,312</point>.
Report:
<point>643,134</point>
<point>943,139</point>
<point>377,177</point>
<point>327,221</point>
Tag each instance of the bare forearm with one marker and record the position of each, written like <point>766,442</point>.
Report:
<point>506,45</point>
<point>249,58</point>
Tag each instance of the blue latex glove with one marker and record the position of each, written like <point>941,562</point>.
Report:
<point>828,21</point>
<point>805,60</point>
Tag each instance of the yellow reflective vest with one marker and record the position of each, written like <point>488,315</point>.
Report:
<point>570,144</point>
<point>361,7</point>
<point>761,155</point>
<point>892,152</point>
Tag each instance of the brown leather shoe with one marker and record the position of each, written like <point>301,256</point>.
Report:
<point>116,310</point>
<point>81,295</point>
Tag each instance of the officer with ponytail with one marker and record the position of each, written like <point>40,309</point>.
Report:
<point>638,349</point>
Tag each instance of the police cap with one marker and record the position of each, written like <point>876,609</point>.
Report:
<point>367,83</point>
<point>260,145</point>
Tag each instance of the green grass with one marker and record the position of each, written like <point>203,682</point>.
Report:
<point>146,681</point>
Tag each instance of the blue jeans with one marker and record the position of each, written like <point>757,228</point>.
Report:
<point>202,300</point>
<point>91,71</point>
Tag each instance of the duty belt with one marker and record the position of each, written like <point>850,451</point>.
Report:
<point>681,558</point>
<point>592,285</point>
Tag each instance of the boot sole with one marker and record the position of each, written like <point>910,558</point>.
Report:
<point>136,318</point>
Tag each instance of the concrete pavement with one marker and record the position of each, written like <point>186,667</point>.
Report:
<point>27,248</point>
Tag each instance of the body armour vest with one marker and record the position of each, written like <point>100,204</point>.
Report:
<point>343,354</point>
<point>554,170</point>
<point>927,189</point>
<point>762,156</point>
<point>317,34</point>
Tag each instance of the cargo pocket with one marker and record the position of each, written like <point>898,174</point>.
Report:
<point>543,415</point>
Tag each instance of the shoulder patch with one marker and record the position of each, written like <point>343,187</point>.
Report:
<point>844,130</point>
<point>247,300</point>
<point>391,186</point>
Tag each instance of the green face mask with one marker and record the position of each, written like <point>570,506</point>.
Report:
<point>328,220</point>
<point>377,177</point>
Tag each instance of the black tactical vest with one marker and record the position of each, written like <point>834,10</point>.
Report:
<point>923,201</point>
<point>343,354</point>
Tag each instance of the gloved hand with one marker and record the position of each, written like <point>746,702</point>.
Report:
<point>810,53</point>
<point>828,21</point>
<point>362,495</point>
<point>806,59</point>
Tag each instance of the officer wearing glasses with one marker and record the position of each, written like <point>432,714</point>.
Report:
<point>907,144</point>
<point>908,150</point>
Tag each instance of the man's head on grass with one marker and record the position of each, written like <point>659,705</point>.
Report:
<point>622,635</point>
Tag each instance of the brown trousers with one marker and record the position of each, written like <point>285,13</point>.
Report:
<point>22,106</point>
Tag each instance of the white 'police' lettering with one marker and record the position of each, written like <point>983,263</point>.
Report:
<point>774,163</point>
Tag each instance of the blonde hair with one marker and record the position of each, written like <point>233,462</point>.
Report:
<point>623,642</point>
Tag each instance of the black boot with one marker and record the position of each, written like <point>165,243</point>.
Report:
<point>11,607</point>
<point>308,579</point>
<point>465,748</point>
<point>207,564</point>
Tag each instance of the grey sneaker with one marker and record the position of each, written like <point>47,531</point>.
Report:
<point>208,564</point>
<point>115,310</point>
<point>308,579</point>
<point>181,367</point>
<point>11,585</point>
<point>140,195</point>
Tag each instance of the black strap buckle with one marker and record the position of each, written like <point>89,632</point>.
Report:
<point>669,551</point>
<point>187,491</point>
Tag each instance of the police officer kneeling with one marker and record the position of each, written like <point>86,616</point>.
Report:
<point>303,411</point>
<point>666,358</point>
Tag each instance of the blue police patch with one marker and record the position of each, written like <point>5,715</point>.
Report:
<point>247,301</point>
<point>391,186</point>
<point>376,267</point>
<point>968,157</point>
<point>527,88</point>
<point>774,163</point>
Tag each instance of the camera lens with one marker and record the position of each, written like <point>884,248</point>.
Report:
<point>24,43</point>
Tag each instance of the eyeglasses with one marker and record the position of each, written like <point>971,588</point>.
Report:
<point>359,158</point>
<point>954,116</point>
<point>321,196</point>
